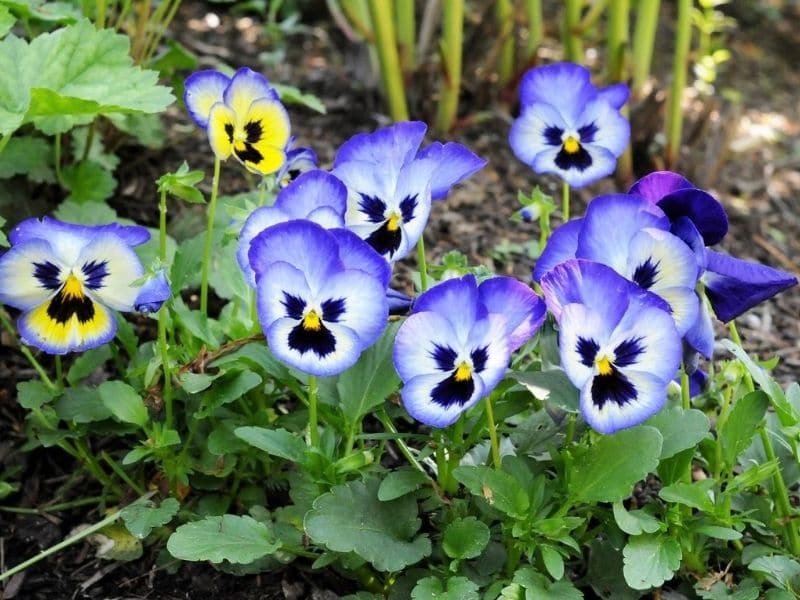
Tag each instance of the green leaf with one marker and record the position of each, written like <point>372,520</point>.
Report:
<point>82,405</point>
<point>193,383</point>
<point>741,425</point>
<point>87,363</point>
<point>86,214</point>
<point>635,522</point>
<point>350,518</point>
<point>30,156</point>
<point>71,75</point>
<point>537,586</point>
<point>680,429</point>
<point>33,394</point>
<point>650,560</point>
<point>373,378</point>
<point>7,21</point>
<point>779,570</point>
<point>747,589</point>
<point>610,468</point>
<point>458,588</point>
<point>277,442</point>
<point>142,517</point>
<point>498,488</point>
<point>399,483</point>
<point>551,386</point>
<point>123,402</point>
<point>181,184</point>
<point>237,539</point>
<point>720,533</point>
<point>553,561</point>
<point>231,386</point>
<point>465,538</point>
<point>88,182</point>
<point>696,494</point>
<point>292,95</point>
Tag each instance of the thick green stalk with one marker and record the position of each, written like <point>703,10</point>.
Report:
<point>313,426</point>
<point>451,47</point>
<point>618,17</point>
<point>212,214</point>
<point>504,15</point>
<point>101,14</point>
<point>644,39</point>
<point>491,427</point>
<point>166,392</point>
<point>391,75</point>
<point>564,201</point>
<point>406,33</point>
<point>683,39</point>
<point>533,12</point>
<point>573,45</point>
<point>422,265</point>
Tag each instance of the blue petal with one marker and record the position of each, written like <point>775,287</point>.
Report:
<point>259,220</point>
<point>417,341</point>
<point>67,238</point>
<point>456,300</point>
<point>395,145</point>
<point>684,228</point>
<point>528,137</point>
<point>417,400</point>
<point>566,86</point>
<point>701,335</point>
<point>454,163</point>
<point>602,164</point>
<point>202,90</point>
<point>651,395</point>
<point>310,191</point>
<point>523,310</point>
<point>115,267</point>
<point>153,293</point>
<point>616,95</point>
<point>246,87</point>
<point>303,244</point>
<point>298,160</point>
<point>697,382</point>
<point>355,253</point>
<point>366,309</point>
<point>562,246</point>
<point>734,286</point>
<point>705,211</point>
<point>580,327</point>
<point>612,129</point>
<point>30,274</point>
<point>399,303</point>
<point>609,225</point>
<point>345,354</point>
<point>654,186</point>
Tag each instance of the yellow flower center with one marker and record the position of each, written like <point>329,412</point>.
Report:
<point>393,224</point>
<point>73,288</point>
<point>311,321</point>
<point>604,365</point>
<point>571,145</point>
<point>463,372</point>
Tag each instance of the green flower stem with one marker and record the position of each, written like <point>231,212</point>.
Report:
<point>442,464</point>
<point>533,12</point>
<point>26,352</point>
<point>59,372</point>
<point>573,45</point>
<point>569,436</point>
<point>95,468</point>
<point>386,421</point>
<point>422,265</point>
<point>685,393</point>
<point>451,47</point>
<point>89,140</point>
<point>406,32</point>
<point>644,38</point>
<point>57,159</point>
<point>83,534</point>
<point>683,40</point>
<point>781,492</point>
<point>618,19</point>
<point>491,427</point>
<point>166,393</point>
<point>313,426</point>
<point>4,141</point>
<point>596,10</point>
<point>121,473</point>
<point>391,75</point>
<point>53,508</point>
<point>212,213</point>
<point>100,20</point>
<point>564,202</point>
<point>504,15</point>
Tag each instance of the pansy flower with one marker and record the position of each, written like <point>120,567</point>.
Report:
<point>567,126</point>
<point>243,117</point>
<point>298,161</point>
<point>391,183</point>
<point>315,195</point>
<point>632,236</point>
<point>153,293</point>
<point>321,295</point>
<point>68,279</point>
<point>617,344</point>
<point>455,347</point>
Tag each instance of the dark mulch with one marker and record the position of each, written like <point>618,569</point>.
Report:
<point>758,182</point>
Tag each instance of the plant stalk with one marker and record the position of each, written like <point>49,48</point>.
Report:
<point>422,265</point>
<point>406,32</point>
<point>166,392</point>
<point>683,39</point>
<point>644,39</point>
<point>451,47</point>
<point>313,426</point>
<point>212,213</point>
<point>573,45</point>
<point>504,15</point>
<point>533,12</point>
<point>385,42</point>
<point>26,352</point>
<point>491,427</point>
<point>564,201</point>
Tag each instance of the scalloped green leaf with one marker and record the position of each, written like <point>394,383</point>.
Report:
<point>237,539</point>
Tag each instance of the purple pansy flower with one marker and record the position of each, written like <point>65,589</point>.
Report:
<point>567,126</point>
<point>618,345</point>
<point>454,348</point>
<point>153,293</point>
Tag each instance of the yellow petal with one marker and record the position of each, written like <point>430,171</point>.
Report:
<point>67,331</point>
<point>266,132</point>
<point>221,124</point>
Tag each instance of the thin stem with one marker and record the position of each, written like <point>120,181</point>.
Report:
<point>570,434</point>
<point>406,30</point>
<point>4,141</point>
<point>451,47</point>
<point>492,429</point>
<point>121,473</point>
<point>573,46</point>
<point>212,213</point>
<point>52,508</point>
<point>504,15</point>
<point>422,265</point>
<point>644,38</point>
<point>166,392</point>
<point>59,372</point>
<point>748,379</point>
<point>386,421</point>
<point>89,140</point>
<point>618,14</point>
<point>26,352</point>
<point>57,159</point>
<point>591,17</point>
<point>683,40</point>
<point>386,44</point>
<point>533,12</point>
<point>686,398</point>
<point>313,426</point>
<point>564,201</point>
<point>84,533</point>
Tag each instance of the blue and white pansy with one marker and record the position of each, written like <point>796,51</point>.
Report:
<point>321,295</point>
<point>567,126</point>
<point>68,279</point>
<point>243,117</point>
<point>454,348</point>
<point>315,195</point>
<point>391,184</point>
<point>632,236</point>
<point>618,345</point>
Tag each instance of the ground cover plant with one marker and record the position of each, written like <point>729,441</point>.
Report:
<point>302,388</point>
